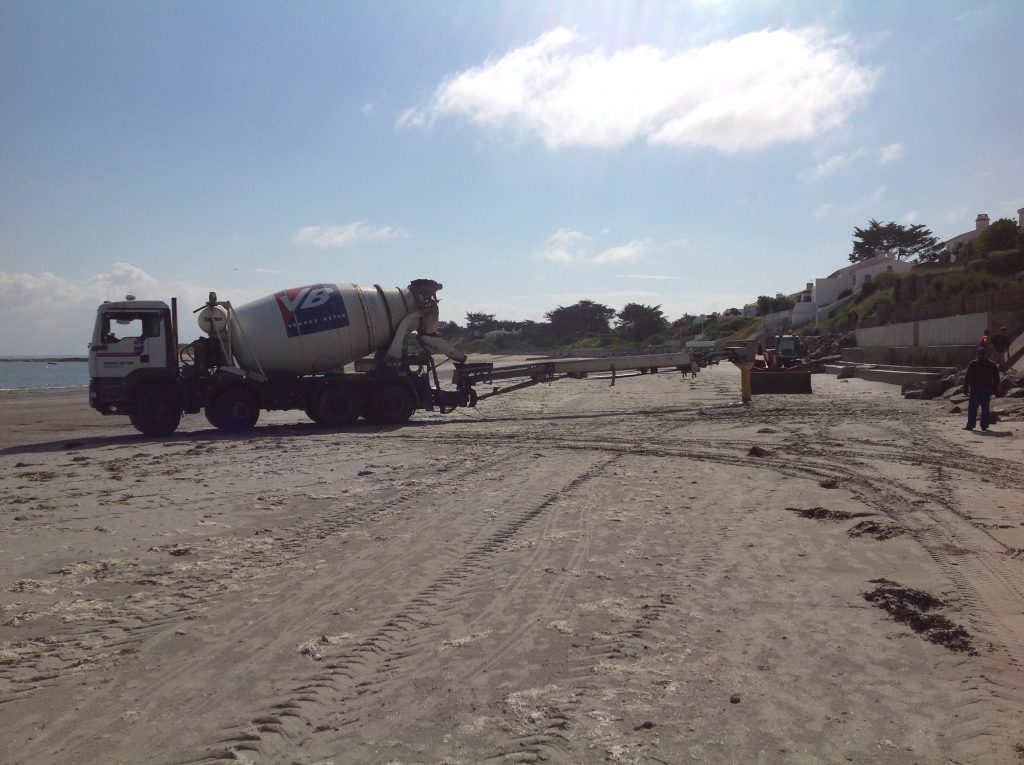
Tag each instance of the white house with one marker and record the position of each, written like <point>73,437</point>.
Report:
<point>826,291</point>
<point>980,224</point>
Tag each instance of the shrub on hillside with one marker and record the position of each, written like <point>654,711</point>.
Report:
<point>886,279</point>
<point>1001,263</point>
<point>876,301</point>
<point>958,283</point>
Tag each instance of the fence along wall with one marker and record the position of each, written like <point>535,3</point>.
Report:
<point>951,330</point>
<point>1008,300</point>
<point>889,336</point>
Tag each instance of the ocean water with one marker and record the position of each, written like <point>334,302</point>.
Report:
<point>38,374</point>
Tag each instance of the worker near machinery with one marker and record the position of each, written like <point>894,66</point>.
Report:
<point>980,381</point>
<point>985,341</point>
<point>1001,344</point>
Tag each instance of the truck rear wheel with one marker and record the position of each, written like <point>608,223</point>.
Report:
<point>211,415</point>
<point>391,405</point>
<point>336,406</point>
<point>156,413</point>
<point>235,410</point>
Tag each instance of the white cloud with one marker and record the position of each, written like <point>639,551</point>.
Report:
<point>569,246</point>
<point>564,246</point>
<point>632,251</point>
<point>830,166</point>
<point>890,153</point>
<point>336,237</point>
<point>738,94</point>
<point>910,217</point>
<point>43,313</point>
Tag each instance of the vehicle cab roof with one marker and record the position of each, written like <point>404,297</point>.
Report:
<point>133,305</point>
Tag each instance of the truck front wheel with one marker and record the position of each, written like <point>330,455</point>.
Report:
<point>156,413</point>
<point>235,410</point>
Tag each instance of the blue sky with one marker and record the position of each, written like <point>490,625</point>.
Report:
<point>526,154</point>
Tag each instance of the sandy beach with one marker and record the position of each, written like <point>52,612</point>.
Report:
<point>575,573</point>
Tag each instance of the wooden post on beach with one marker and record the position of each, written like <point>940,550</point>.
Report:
<point>742,355</point>
<point>745,391</point>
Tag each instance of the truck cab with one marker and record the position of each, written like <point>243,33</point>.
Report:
<point>133,352</point>
<point>788,350</point>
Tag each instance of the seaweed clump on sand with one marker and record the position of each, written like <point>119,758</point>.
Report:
<point>914,608</point>
<point>822,514</point>
<point>876,529</point>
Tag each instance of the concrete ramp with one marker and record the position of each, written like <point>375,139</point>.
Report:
<point>893,375</point>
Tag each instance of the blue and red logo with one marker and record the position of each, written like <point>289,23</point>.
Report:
<point>316,308</point>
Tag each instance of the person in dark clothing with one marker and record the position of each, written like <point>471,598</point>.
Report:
<point>1001,344</point>
<point>980,381</point>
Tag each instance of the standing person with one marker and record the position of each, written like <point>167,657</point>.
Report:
<point>985,341</point>
<point>980,381</point>
<point>1001,344</point>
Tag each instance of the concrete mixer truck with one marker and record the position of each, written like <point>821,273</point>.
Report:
<point>290,350</point>
<point>338,352</point>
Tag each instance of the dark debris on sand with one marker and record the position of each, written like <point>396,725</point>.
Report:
<point>821,514</point>
<point>913,607</point>
<point>876,529</point>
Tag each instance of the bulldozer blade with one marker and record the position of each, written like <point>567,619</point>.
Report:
<point>779,382</point>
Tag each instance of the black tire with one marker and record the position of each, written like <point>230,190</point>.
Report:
<point>336,406</point>
<point>391,405</point>
<point>235,410</point>
<point>211,415</point>
<point>156,413</point>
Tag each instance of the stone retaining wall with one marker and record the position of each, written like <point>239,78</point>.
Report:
<point>913,356</point>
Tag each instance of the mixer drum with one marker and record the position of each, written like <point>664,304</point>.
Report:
<point>317,328</point>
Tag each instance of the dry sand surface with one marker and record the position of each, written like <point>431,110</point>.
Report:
<point>576,573</point>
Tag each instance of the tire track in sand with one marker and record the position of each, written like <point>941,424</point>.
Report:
<point>339,693</point>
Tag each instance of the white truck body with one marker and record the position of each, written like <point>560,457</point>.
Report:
<point>284,351</point>
<point>295,349</point>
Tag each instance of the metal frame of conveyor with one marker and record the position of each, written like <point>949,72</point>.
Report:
<point>525,375</point>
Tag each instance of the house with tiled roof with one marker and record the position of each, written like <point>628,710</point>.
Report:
<point>980,224</point>
<point>826,291</point>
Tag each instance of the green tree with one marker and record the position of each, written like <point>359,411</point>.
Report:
<point>478,323</point>
<point>639,322</point>
<point>905,243</point>
<point>448,328</point>
<point>767,305</point>
<point>1001,235</point>
<point>536,333</point>
<point>576,321</point>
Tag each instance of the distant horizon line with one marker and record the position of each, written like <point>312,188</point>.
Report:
<point>53,357</point>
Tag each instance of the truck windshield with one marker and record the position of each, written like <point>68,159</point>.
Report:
<point>123,324</point>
